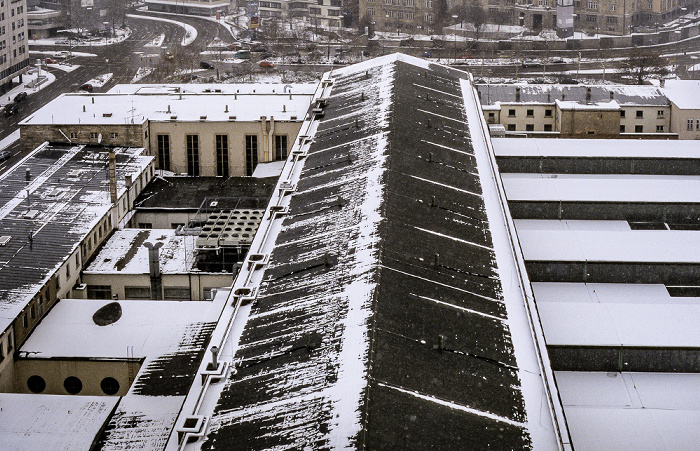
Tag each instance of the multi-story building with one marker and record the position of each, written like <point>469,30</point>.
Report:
<point>611,111</point>
<point>193,7</point>
<point>401,16</point>
<point>685,107</point>
<point>14,56</point>
<point>191,129</point>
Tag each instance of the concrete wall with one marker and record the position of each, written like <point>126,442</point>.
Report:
<point>90,372</point>
<point>31,136</point>
<point>196,283</point>
<point>588,123</point>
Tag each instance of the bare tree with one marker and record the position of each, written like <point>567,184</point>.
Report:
<point>477,17</point>
<point>499,17</point>
<point>642,65</point>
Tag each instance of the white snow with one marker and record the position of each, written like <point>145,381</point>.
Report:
<point>149,328</point>
<point>591,148</point>
<point>271,169</point>
<point>51,422</point>
<point>554,241</point>
<point>640,411</point>
<point>190,31</point>
<point>601,187</point>
<point>685,94</point>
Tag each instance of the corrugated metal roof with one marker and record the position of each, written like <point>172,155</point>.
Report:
<point>380,322</point>
<point>67,194</point>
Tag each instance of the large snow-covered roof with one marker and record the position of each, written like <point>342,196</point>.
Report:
<point>67,196</point>
<point>381,318</point>
<point>641,411</point>
<point>224,103</point>
<point>52,422</point>
<point>547,94</point>
<point>685,94</point>
<point>596,148</point>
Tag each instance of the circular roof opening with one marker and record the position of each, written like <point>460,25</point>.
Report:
<point>108,314</point>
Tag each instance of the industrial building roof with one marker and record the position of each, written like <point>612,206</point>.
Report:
<point>597,148</point>
<point>624,95</point>
<point>685,94</point>
<point>176,103</point>
<point>644,411</point>
<point>66,196</point>
<point>381,317</point>
<point>171,338</point>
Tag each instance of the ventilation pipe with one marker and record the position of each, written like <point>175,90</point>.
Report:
<point>517,94</point>
<point>112,177</point>
<point>271,141</point>
<point>588,94</point>
<point>263,128</point>
<point>154,270</point>
<point>214,358</point>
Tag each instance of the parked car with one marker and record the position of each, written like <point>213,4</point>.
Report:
<point>265,63</point>
<point>4,155</point>
<point>266,55</point>
<point>20,96</point>
<point>50,61</point>
<point>427,54</point>
<point>234,46</point>
<point>189,77</point>
<point>242,55</point>
<point>86,87</point>
<point>11,109</point>
<point>531,63</point>
<point>206,65</point>
<point>259,49</point>
<point>63,54</point>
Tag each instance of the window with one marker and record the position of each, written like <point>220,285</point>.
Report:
<point>145,225</point>
<point>548,127</point>
<point>192,143</point>
<point>251,153</point>
<point>660,113</point>
<point>36,384</point>
<point>73,135</point>
<point>99,292</point>
<point>591,18</point>
<point>428,3</point>
<point>93,135</point>
<point>592,5</point>
<point>612,7</point>
<point>408,3</point>
<point>176,293</point>
<point>163,144</point>
<point>530,127</point>
<point>137,292</point>
<point>640,114</point>
<point>73,385</point>
<point>697,124</point>
<point>25,324</point>
<point>547,113</point>
<point>114,135</point>
<point>511,113</point>
<point>611,19</point>
<point>659,128</point>
<point>530,113</point>
<point>109,386</point>
<point>511,127</point>
<point>639,129</point>
<point>622,113</point>
<point>281,147</point>
<point>222,155</point>
<point>622,128</point>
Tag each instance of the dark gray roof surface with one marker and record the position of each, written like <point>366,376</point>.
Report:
<point>380,323</point>
<point>69,192</point>
<point>189,192</point>
<point>622,94</point>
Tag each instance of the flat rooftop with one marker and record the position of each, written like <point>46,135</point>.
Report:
<point>31,422</point>
<point>602,187</point>
<point>595,148</point>
<point>125,253</point>
<point>640,411</point>
<point>612,314</point>
<point>67,195</point>
<point>605,241</point>
<point>173,103</point>
<point>623,95</point>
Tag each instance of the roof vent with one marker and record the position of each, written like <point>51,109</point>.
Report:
<point>232,118</point>
<point>106,114</point>
<point>172,118</point>
<point>30,214</point>
<point>4,240</point>
<point>202,118</point>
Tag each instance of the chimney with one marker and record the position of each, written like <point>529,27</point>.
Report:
<point>517,94</point>
<point>588,94</point>
<point>214,356</point>
<point>154,269</point>
<point>612,95</point>
<point>663,82</point>
<point>28,176</point>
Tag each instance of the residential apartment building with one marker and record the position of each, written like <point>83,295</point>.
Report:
<point>611,111</point>
<point>13,41</point>
<point>195,130</point>
<point>401,16</point>
<point>685,107</point>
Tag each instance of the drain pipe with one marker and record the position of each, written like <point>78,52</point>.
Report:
<point>263,126</point>
<point>271,144</point>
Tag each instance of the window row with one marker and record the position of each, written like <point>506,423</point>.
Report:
<point>73,385</point>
